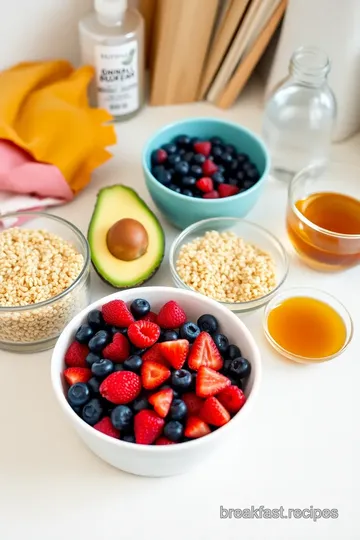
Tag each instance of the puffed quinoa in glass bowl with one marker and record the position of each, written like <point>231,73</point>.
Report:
<point>231,260</point>
<point>44,279</point>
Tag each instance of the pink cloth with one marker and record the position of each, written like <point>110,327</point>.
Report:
<point>27,185</point>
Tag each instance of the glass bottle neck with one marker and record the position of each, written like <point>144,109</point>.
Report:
<point>309,66</point>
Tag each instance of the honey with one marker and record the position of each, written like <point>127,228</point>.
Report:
<point>334,212</point>
<point>307,327</point>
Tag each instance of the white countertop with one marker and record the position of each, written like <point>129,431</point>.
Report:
<point>299,448</point>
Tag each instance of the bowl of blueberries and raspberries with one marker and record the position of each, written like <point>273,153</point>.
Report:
<point>204,167</point>
<point>154,383</point>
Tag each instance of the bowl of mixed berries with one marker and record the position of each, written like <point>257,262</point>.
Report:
<point>200,168</point>
<point>154,383</point>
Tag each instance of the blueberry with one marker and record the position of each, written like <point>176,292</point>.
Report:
<point>133,363</point>
<point>216,141</point>
<point>139,308</point>
<point>175,188</point>
<point>173,430</point>
<point>102,368</point>
<point>247,184</point>
<point>119,367</point>
<point>91,358</point>
<point>99,341</point>
<point>233,351</point>
<point>181,152</point>
<point>181,380</point>
<point>226,366</point>
<point>242,158</point>
<point>76,409</point>
<point>139,404</point>
<point>221,342</point>
<point>183,141</point>
<point>137,352</point>
<point>121,418</point>
<point>84,334</point>
<point>116,330</point>
<point>196,171</point>
<point>208,323</point>
<point>240,177</point>
<point>78,394</point>
<point>188,181</point>
<point>233,166</point>
<point>193,381</point>
<point>170,148</point>
<point>187,192</point>
<point>92,411</point>
<point>240,368</point>
<point>221,169</point>
<point>216,153</point>
<point>235,382</point>
<point>188,156</point>
<point>233,182</point>
<point>182,168</point>
<point>226,159</point>
<point>94,385</point>
<point>189,331</point>
<point>218,178</point>
<point>178,409</point>
<point>198,159</point>
<point>169,335</point>
<point>128,438</point>
<point>162,175</point>
<point>173,159</point>
<point>230,149</point>
<point>252,174</point>
<point>95,320</point>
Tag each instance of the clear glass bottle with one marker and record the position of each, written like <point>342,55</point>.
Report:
<point>112,40</point>
<point>299,115</point>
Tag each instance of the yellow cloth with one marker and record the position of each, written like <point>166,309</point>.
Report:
<point>44,110</point>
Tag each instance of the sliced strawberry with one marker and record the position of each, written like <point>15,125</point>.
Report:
<point>116,313</point>
<point>210,382</point>
<point>193,403</point>
<point>143,333</point>
<point>209,167</point>
<point>171,316</point>
<point>75,375</point>
<point>211,195</point>
<point>161,401</point>
<point>148,427</point>
<point>106,427</point>
<point>163,441</point>
<point>154,355</point>
<point>76,354</point>
<point>153,375</point>
<point>151,317</point>
<point>196,428</point>
<point>204,352</point>
<point>226,190</point>
<point>118,350</point>
<point>205,184</point>
<point>203,147</point>
<point>213,413</point>
<point>232,398</point>
<point>175,352</point>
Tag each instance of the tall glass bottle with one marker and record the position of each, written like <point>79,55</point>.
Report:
<point>299,115</point>
<point>112,40</point>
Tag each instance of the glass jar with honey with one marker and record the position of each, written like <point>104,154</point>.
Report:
<point>323,216</point>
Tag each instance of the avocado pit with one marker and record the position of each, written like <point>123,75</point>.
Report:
<point>127,240</point>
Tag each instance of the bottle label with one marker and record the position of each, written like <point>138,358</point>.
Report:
<point>117,78</point>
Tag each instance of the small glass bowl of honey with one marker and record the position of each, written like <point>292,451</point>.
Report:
<point>323,216</point>
<point>307,325</point>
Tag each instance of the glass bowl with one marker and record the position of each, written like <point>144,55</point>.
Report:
<point>36,327</point>
<point>319,247</point>
<point>316,294</point>
<point>250,233</point>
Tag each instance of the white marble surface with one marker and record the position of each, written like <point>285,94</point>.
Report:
<point>299,448</point>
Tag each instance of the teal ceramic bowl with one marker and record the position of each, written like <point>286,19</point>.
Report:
<point>183,211</point>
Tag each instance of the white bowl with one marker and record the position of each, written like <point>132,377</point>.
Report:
<point>160,460</point>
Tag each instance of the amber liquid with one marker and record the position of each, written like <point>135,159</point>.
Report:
<point>307,327</point>
<point>333,212</point>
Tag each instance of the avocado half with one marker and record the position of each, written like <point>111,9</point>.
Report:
<point>113,204</point>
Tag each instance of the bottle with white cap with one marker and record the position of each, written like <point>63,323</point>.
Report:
<point>112,40</point>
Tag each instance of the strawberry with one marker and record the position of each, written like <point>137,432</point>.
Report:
<point>171,316</point>
<point>116,313</point>
<point>121,387</point>
<point>118,350</point>
<point>193,403</point>
<point>211,195</point>
<point>226,190</point>
<point>75,375</point>
<point>106,427</point>
<point>203,147</point>
<point>161,401</point>
<point>195,428</point>
<point>153,374</point>
<point>151,316</point>
<point>154,355</point>
<point>162,441</point>
<point>210,382</point>
<point>204,352</point>
<point>143,333</point>
<point>76,354</point>
<point>148,427</point>
<point>212,412</point>
<point>232,398</point>
<point>205,184</point>
<point>160,156</point>
<point>175,352</point>
<point>209,167</point>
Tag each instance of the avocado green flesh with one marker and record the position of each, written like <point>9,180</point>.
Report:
<point>115,203</point>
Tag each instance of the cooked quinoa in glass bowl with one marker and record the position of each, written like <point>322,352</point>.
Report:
<point>44,279</point>
<point>231,260</point>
